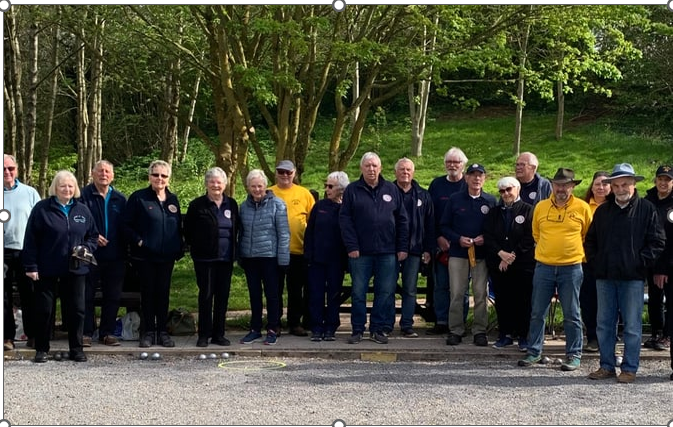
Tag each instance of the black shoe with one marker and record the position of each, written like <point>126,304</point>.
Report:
<point>166,340</point>
<point>298,331</point>
<point>379,337</point>
<point>78,356</point>
<point>650,341</point>
<point>202,342</point>
<point>220,341</point>
<point>316,336</point>
<point>355,338</point>
<point>40,357</point>
<point>438,329</point>
<point>480,340</point>
<point>453,339</point>
<point>329,336</point>
<point>147,340</point>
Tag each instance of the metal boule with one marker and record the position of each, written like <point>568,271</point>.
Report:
<point>225,355</point>
<point>545,360</point>
<point>156,356</point>
<point>202,356</point>
<point>143,355</point>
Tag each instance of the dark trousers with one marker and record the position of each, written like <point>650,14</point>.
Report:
<point>214,282</point>
<point>513,291</point>
<point>297,295</point>
<point>155,288</point>
<point>324,293</point>
<point>110,276</point>
<point>657,309</point>
<point>71,289</point>
<point>17,274</point>
<point>262,276</point>
<point>589,303</point>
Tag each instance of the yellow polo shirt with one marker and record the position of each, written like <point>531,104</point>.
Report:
<point>299,203</point>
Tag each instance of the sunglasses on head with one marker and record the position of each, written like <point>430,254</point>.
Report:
<point>9,168</point>
<point>157,175</point>
<point>283,172</point>
<point>505,190</point>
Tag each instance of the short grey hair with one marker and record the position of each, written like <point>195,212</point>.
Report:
<point>341,178</point>
<point>369,155</point>
<point>103,162</point>
<point>160,163</point>
<point>256,173</point>
<point>532,158</point>
<point>455,151</point>
<point>216,172</point>
<point>405,160</point>
<point>10,157</point>
<point>508,181</point>
<point>63,175</point>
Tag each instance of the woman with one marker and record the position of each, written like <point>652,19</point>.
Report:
<point>264,246</point>
<point>59,227</point>
<point>152,223</point>
<point>508,239</point>
<point>210,231</point>
<point>595,196</point>
<point>327,259</point>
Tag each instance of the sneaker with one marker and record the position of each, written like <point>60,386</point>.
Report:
<point>202,342</point>
<point>251,337</point>
<point>523,345</point>
<point>316,336</point>
<point>220,341</point>
<point>271,338</point>
<point>480,340</point>
<point>9,345</point>
<point>355,338</point>
<point>504,341</point>
<point>438,329</point>
<point>110,340</point>
<point>529,360</point>
<point>453,339</point>
<point>40,357</point>
<point>591,347</point>
<point>166,340</point>
<point>329,336</point>
<point>298,331</point>
<point>601,374</point>
<point>409,333</point>
<point>147,340</point>
<point>378,337</point>
<point>570,364</point>
<point>77,356</point>
<point>626,377</point>
<point>86,341</point>
<point>663,343</point>
<point>650,341</point>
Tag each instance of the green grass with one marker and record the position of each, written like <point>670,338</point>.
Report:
<point>586,147</point>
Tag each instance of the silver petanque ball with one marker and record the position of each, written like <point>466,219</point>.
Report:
<point>57,356</point>
<point>156,356</point>
<point>212,356</point>
<point>202,357</point>
<point>558,361</point>
<point>225,355</point>
<point>545,360</point>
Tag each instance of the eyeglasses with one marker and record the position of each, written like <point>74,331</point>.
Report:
<point>330,186</point>
<point>157,175</point>
<point>283,172</point>
<point>505,190</point>
<point>453,162</point>
<point>9,168</point>
<point>520,164</point>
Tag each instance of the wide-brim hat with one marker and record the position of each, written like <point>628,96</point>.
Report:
<point>623,170</point>
<point>564,176</point>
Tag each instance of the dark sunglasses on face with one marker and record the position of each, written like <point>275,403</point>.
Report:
<point>157,175</point>
<point>9,168</point>
<point>330,186</point>
<point>505,190</point>
<point>283,172</point>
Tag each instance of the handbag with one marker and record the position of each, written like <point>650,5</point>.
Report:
<point>181,322</point>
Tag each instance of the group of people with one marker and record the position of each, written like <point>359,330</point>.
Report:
<point>536,241</point>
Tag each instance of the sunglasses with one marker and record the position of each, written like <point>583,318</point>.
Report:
<point>9,168</point>
<point>283,172</point>
<point>505,190</point>
<point>157,175</point>
<point>330,186</point>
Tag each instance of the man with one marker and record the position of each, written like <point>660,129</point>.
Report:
<point>533,187</point>
<point>299,203</point>
<point>559,226</point>
<point>106,205</point>
<point>624,240</point>
<point>375,230</point>
<point>418,204</point>
<point>440,189</point>
<point>462,224</point>
<point>19,200</point>
<point>660,277</point>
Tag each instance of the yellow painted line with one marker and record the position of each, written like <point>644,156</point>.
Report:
<point>378,357</point>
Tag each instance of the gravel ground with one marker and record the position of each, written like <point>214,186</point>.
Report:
<point>122,390</point>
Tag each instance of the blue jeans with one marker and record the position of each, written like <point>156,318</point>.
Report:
<point>384,270</point>
<point>567,281</point>
<point>409,271</point>
<point>615,297</point>
<point>442,295</point>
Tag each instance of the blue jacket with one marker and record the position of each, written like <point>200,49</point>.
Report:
<point>665,214</point>
<point>110,226</point>
<point>51,236</point>
<point>421,219</point>
<point>373,220</point>
<point>440,190</point>
<point>158,225</point>
<point>516,237</point>
<point>464,216</point>
<point>265,231</point>
<point>323,243</point>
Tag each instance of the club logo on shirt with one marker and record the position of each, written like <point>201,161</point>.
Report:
<point>227,214</point>
<point>532,195</point>
<point>172,209</point>
<point>387,198</point>
<point>485,209</point>
<point>669,215</point>
<point>519,219</point>
<point>419,203</point>
<point>80,219</point>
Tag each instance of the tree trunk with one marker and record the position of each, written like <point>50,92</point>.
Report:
<point>31,99</point>
<point>521,85</point>
<point>14,95</point>
<point>560,112</point>
<point>95,147</point>
<point>170,114</point>
<point>190,117</point>
<point>82,115</point>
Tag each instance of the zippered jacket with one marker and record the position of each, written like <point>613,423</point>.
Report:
<point>265,231</point>
<point>116,247</point>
